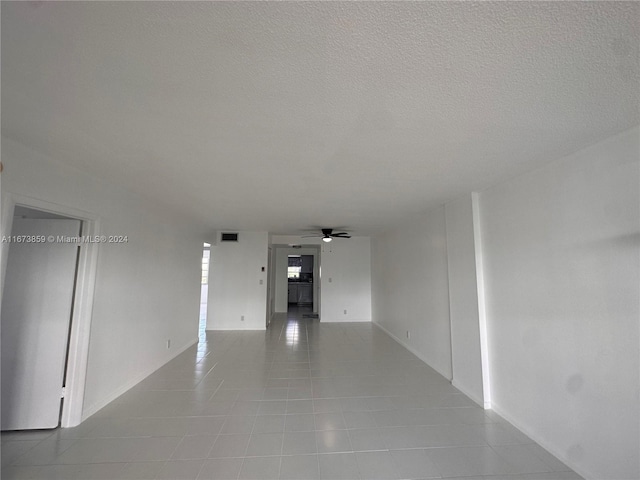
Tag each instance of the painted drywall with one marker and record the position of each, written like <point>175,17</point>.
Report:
<point>280,278</point>
<point>345,277</point>
<point>147,289</point>
<point>238,284</point>
<point>410,287</point>
<point>346,280</point>
<point>463,299</point>
<point>561,249</point>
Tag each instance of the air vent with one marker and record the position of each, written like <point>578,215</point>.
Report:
<point>228,237</point>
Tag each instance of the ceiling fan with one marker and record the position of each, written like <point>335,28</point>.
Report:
<point>327,235</point>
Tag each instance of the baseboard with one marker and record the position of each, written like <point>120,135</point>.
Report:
<point>234,329</point>
<point>412,350</point>
<point>480,402</point>
<point>536,438</point>
<point>495,408</point>
<point>351,320</point>
<point>129,385</point>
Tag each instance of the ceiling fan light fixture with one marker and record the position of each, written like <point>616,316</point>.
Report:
<point>327,235</point>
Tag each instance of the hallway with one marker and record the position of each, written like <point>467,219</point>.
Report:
<point>302,400</point>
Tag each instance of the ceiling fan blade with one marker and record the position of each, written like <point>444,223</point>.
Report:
<point>328,233</point>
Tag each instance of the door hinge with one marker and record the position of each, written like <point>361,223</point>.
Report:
<point>64,390</point>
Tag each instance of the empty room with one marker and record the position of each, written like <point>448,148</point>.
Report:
<point>320,240</point>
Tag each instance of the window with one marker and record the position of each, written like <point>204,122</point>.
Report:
<point>205,266</point>
<point>293,272</point>
<point>294,266</point>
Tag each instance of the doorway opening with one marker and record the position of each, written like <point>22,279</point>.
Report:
<point>204,293</point>
<point>300,269</point>
<point>49,268</point>
<point>281,274</point>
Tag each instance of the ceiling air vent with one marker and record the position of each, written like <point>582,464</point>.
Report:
<point>228,237</point>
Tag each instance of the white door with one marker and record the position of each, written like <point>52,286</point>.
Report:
<point>36,314</point>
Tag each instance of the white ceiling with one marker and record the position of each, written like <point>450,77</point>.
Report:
<point>280,116</point>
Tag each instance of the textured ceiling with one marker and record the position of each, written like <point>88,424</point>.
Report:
<point>279,116</point>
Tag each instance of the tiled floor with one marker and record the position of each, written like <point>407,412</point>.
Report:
<point>302,400</point>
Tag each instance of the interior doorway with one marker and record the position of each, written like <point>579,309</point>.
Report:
<point>37,312</point>
<point>281,294</point>
<point>300,272</point>
<point>204,293</point>
<point>77,334</point>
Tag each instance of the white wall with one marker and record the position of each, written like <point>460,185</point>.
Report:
<point>347,262</point>
<point>561,256</point>
<point>147,290</point>
<point>410,287</point>
<point>463,299</point>
<point>561,248</point>
<point>346,280</point>
<point>280,293</point>
<point>237,284</point>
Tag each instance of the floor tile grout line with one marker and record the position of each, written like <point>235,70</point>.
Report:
<point>28,450</point>
<point>368,387</point>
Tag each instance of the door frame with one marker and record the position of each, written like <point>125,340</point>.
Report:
<point>78,348</point>
<point>317,270</point>
<point>270,286</point>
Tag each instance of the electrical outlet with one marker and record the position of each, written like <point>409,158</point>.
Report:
<point>345,312</point>
<point>408,335</point>
<point>242,318</point>
<point>168,343</point>
<point>260,281</point>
